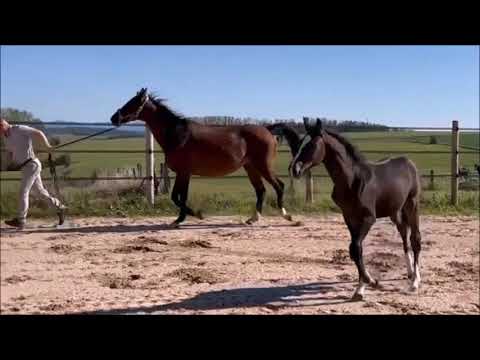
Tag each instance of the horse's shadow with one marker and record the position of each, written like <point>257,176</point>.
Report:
<point>121,228</point>
<point>291,296</point>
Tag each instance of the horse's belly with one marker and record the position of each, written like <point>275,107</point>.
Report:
<point>215,171</point>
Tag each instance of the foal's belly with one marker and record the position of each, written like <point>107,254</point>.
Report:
<point>387,206</point>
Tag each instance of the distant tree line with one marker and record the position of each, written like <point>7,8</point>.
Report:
<point>340,126</point>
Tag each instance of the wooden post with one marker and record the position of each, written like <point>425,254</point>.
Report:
<point>309,187</point>
<point>149,185</point>
<point>432,180</point>
<point>455,143</point>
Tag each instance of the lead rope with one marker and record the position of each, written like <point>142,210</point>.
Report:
<point>53,170</point>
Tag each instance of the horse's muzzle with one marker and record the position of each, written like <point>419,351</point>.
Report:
<point>115,119</point>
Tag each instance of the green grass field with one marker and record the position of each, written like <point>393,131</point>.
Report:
<point>204,189</point>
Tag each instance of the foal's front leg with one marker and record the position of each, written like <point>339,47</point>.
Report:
<point>358,232</point>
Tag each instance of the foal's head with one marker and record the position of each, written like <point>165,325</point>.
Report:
<point>312,153</point>
<point>132,109</point>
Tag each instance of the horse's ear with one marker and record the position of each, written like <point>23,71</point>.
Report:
<point>306,123</point>
<point>143,93</point>
<point>319,127</point>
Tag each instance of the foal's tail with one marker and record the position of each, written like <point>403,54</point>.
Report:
<point>417,185</point>
<point>293,139</point>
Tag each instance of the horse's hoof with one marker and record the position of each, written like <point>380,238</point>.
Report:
<point>357,297</point>
<point>199,215</point>
<point>288,217</point>
<point>375,284</point>
<point>298,223</point>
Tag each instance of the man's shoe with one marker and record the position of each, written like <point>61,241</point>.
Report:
<point>61,214</point>
<point>16,223</point>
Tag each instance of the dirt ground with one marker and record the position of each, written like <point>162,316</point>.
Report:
<point>220,266</point>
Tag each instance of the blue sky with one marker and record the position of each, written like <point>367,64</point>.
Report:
<point>393,85</point>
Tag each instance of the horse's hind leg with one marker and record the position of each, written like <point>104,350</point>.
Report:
<point>400,220</point>
<point>412,214</point>
<point>257,183</point>
<point>279,187</point>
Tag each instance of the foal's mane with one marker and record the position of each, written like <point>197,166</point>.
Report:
<point>362,170</point>
<point>351,149</point>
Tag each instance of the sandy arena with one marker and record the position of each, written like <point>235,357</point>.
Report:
<point>219,266</point>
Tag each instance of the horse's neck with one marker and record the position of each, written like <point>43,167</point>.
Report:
<point>160,123</point>
<point>338,163</point>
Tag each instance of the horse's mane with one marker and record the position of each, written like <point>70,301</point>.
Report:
<point>176,132</point>
<point>159,103</point>
<point>351,149</point>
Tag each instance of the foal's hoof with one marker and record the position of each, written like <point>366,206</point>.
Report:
<point>199,215</point>
<point>173,225</point>
<point>412,289</point>
<point>375,284</point>
<point>288,217</point>
<point>357,297</point>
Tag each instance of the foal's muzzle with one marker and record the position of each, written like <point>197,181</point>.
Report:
<point>297,169</point>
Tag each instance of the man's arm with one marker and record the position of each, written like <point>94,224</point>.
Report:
<point>40,138</point>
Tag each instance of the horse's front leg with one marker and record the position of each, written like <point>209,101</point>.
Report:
<point>180,196</point>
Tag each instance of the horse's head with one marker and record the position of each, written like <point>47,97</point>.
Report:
<point>311,153</point>
<point>132,109</point>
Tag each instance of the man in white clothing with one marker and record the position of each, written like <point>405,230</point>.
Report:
<point>18,141</point>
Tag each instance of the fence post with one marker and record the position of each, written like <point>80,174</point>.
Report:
<point>309,187</point>
<point>454,171</point>
<point>149,185</point>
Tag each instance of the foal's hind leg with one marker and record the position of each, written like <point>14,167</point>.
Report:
<point>257,183</point>
<point>412,215</point>
<point>402,226</point>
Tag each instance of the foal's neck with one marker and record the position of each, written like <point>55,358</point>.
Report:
<point>338,163</point>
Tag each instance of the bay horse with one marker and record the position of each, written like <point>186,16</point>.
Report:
<point>192,148</point>
<point>365,191</point>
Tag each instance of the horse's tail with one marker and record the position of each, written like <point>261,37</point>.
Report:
<point>293,139</point>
